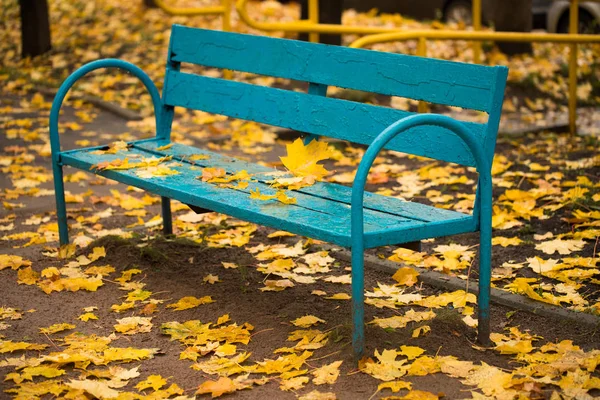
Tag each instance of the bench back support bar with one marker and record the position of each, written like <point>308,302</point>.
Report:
<point>437,81</point>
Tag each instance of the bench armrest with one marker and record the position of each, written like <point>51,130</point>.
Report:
<point>84,70</point>
<point>483,168</point>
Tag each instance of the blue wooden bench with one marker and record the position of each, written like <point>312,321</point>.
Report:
<point>348,217</point>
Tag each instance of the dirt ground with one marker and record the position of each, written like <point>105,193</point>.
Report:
<point>173,268</point>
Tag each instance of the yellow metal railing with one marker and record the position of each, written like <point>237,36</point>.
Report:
<point>378,34</point>
<point>223,9</point>
<point>423,35</point>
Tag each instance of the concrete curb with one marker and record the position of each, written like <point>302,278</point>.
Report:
<point>556,128</point>
<point>124,113</point>
<point>441,281</point>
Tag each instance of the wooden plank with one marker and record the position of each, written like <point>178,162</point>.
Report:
<point>326,190</point>
<point>432,80</point>
<point>341,119</point>
<point>333,216</point>
<point>190,189</point>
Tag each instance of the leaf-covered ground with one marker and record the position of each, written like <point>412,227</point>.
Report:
<point>227,306</point>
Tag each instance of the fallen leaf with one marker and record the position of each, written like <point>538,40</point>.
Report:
<point>302,160</point>
<point>190,302</point>
<point>307,321</point>
<point>406,276</point>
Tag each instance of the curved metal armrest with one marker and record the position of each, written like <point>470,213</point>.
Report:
<point>358,188</point>
<point>85,69</point>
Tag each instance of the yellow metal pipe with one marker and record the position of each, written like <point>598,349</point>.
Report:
<point>432,34</point>
<point>305,26</point>
<point>313,16</point>
<point>189,11</point>
<point>477,27</point>
<point>227,74</point>
<point>572,38</point>
<point>226,15</point>
<point>383,34</point>
<point>573,29</point>
<point>422,52</point>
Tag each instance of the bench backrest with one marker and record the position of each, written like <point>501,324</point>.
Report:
<point>436,81</point>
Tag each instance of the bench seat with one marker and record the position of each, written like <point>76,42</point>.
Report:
<point>322,211</point>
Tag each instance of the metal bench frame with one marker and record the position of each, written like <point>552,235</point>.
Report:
<point>439,136</point>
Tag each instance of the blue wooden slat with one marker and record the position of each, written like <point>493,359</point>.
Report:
<point>330,191</point>
<point>373,218</point>
<point>341,119</point>
<point>333,216</point>
<point>186,188</point>
<point>435,81</point>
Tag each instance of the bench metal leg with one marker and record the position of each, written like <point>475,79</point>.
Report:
<point>61,205</point>
<point>166,215</point>
<point>485,272</point>
<point>358,299</point>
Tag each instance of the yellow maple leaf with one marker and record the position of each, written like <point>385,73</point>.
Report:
<point>100,270</point>
<point>514,346</point>
<point>9,312</point>
<point>424,365</point>
<point>8,346</point>
<point>209,174</point>
<point>540,265</point>
<point>339,296</point>
<point>411,352</point>
<point>138,295</point>
<point>165,147</point>
<point>222,319</point>
<point>395,386</point>
<point>491,380</point>
<point>561,246</point>
<point>98,389</point>
<point>400,321</point>
<point>126,275</point>
<point>127,354</point>
<point>211,279</point>
<point>226,349</point>
<point>276,285</point>
<point>28,373</point>
<point>133,325</point>
<point>14,262</point>
<point>113,148</point>
<point>190,302</point>
<point>198,157</point>
<point>421,330</point>
<point>153,381</point>
<point>217,388</point>
<point>56,328</point>
<point>505,242</point>
<point>153,171</point>
<point>279,195</point>
<point>307,321</point>
<point>27,276</point>
<point>406,276</point>
<point>419,395</point>
<point>278,234</point>
<point>458,298</point>
<point>294,384</point>
<point>316,395</point>
<point>127,305</point>
<point>90,284</point>
<point>302,160</point>
<point>327,374</point>
<point>87,316</point>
